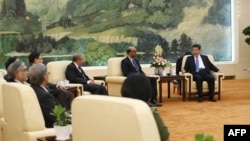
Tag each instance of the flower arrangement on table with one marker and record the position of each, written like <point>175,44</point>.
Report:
<point>158,60</point>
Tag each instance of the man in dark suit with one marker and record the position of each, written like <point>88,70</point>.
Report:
<point>75,74</point>
<point>131,65</point>
<point>39,79</point>
<point>199,66</point>
<point>179,62</point>
<point>179,69</point>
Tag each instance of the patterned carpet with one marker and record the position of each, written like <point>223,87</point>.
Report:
<point>185,119</point>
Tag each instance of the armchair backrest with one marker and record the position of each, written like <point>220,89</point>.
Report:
<point>2,81</point>
<point>2,73</point>
<point>210,57</point>
<point>56,70</point>
<point>112,119</point>
<point>114,66</point>
<point>21,108</point>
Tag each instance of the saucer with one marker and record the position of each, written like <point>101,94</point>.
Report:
<point>61,139</point>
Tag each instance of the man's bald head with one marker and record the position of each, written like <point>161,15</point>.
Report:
<point>131,51</point>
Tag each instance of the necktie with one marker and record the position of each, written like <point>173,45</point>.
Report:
<point>135,65</point>
<point>197,68</point>
<point>82,72</point>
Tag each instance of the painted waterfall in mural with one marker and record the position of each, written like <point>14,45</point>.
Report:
<point>101,29</point>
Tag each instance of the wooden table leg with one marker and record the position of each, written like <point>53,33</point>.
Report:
<point>184,92</point>
<point>180,88</point>
<point>160,91</point>
<point>168,89</point>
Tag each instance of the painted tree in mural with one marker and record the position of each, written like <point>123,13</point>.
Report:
<point>14,8</point>
<point>219,13</point>
<point>185,43</point>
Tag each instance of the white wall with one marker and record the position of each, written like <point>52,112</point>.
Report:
<point>242,49</point>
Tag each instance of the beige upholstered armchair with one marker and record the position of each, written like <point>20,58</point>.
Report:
<point>56,71</point>
<point>2,122</point>
<point>22,114</point>
<point>105,118</point>
<point>2,73</point>
<point>115,76</point>
<point>191,85</point>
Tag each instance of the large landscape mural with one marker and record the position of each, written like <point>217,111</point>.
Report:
<point>101,29</point>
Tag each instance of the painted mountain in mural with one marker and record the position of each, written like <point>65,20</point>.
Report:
<point>104,28</point>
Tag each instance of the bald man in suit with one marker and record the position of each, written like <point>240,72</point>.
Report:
<point>131,65</point>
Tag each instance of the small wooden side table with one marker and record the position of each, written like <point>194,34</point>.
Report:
<point>72,90</point>
<point>168,79</point>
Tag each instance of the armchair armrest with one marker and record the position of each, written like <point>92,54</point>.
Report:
<point>115,79</point>
<point>217,75</point>
<point>188,76</point>
<point>152,75</point>
<point>99,82</point>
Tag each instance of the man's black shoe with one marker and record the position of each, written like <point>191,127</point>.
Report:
<point>151,104</point>
<point>156,103</point>
<point>212,100</point>
<point>200,99</point>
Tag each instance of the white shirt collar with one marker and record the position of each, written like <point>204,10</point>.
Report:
<point>44,88</point>
<point>25,83</point>
<point>131,59</point>
<point>76,65</point>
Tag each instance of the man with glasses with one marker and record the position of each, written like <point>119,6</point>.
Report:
<point>17,72</point>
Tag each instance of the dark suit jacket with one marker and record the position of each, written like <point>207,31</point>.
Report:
<point>47,103</point>
<point>190,64</point>
<point>178,65</point>
<point>75,76</point>
<point>128,68</point>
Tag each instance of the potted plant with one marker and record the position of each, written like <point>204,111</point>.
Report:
<point>203,137</point>
<point>62,123</point>
<point>246,31</point>
<point>159,62</point>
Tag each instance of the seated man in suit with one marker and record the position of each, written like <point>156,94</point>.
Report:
<point>75,74</point>
<point>199,66</point>
<point>131,65</point>
<point>179,69</point>
<point>64,97</point>
<point>38,79</point>
<point>179,62</point>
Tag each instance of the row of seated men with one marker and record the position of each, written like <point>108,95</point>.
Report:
<point>50,95</point>
<point>18,72</point>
